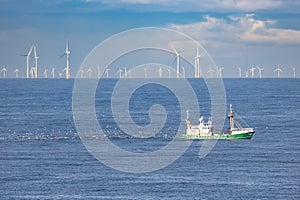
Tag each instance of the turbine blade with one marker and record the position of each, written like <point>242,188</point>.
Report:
<point>35,54</point>
<point>174,49</point>
<point>30,50</point>
<point>67,45</point>
<point>62,55</point>
<point>173,63</point>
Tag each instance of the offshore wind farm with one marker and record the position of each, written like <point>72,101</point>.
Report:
<point>31,67</point>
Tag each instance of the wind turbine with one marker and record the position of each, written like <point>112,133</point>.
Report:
<point>260,71</point>
<point>125,72</point>
<point>210,72</point>
<point>247,73</point>
<point>4,70</point>
<point>120,72</point>
<point>294,72</point>
<point>219,72</point>
<point>35,63</point>
<point>99,72</point>
<point>53,72</point>
<point>67,53</point>
<point>17,73</point>
<point>106,72</point>
<point>32,72</point>
<point>278,70</point>
<point>252,70</point>
<point>46,73</point>
<point>169,72</point>
<point>89,70</point>
<point>145,72</point>
<point>160,72</point>
<point>240,72</point>
<point>27,60</point>
<point>197,67</point>
<point>81,72</point>
<point>183,72</point>
<point>177,62</point>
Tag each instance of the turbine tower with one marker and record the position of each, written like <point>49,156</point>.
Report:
<point>219,72</point>
<point>46,73</point>
<point>27,61</point>
<point>210,72</point>
<point>4,70</point>
<point>52,73</point>
<point>67,53</point>
<point>32,72</point>
<point>169,72</point>
<point>129,73</point>
<point>89,70</point>
<point>278,70</point>
<point>35,63</point>
<point>197,67</point>
<point>160,72</point>
<point>294,72</point>
<point>17,73</point>
<point>106,72</point>
<point>120,73</point>
<point>125,72</point>
<point>183,72</point>
<point>81,72</point>
<point>177,62</point>
<point>145,72</point>
<point>240,72</point>
<point>260,71</point>
<point>252,70</point>
<point>99,72</point>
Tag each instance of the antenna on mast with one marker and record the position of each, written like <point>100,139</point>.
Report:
<point>230,116</point>
<point>187,120</point>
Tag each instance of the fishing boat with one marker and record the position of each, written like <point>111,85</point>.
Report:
<point>205,130</point>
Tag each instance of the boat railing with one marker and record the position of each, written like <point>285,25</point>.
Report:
<point>242,129</point>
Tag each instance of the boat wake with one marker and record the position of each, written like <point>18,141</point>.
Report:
<point>75,136</point>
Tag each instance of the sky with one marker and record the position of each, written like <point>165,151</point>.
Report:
<point>236,33</point>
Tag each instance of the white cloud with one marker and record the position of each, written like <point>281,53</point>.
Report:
<point>244,28</point>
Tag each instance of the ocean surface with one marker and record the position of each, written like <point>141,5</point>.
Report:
<point>43,157</point>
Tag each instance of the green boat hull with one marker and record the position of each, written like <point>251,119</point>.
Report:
<point>246,135</point>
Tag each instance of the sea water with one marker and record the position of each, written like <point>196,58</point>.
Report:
<point>42,156</point>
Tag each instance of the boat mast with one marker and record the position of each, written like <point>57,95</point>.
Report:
<point>187,120</point>
<point>231,120</point>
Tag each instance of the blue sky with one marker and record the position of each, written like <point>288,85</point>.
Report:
<point>237,33</point>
